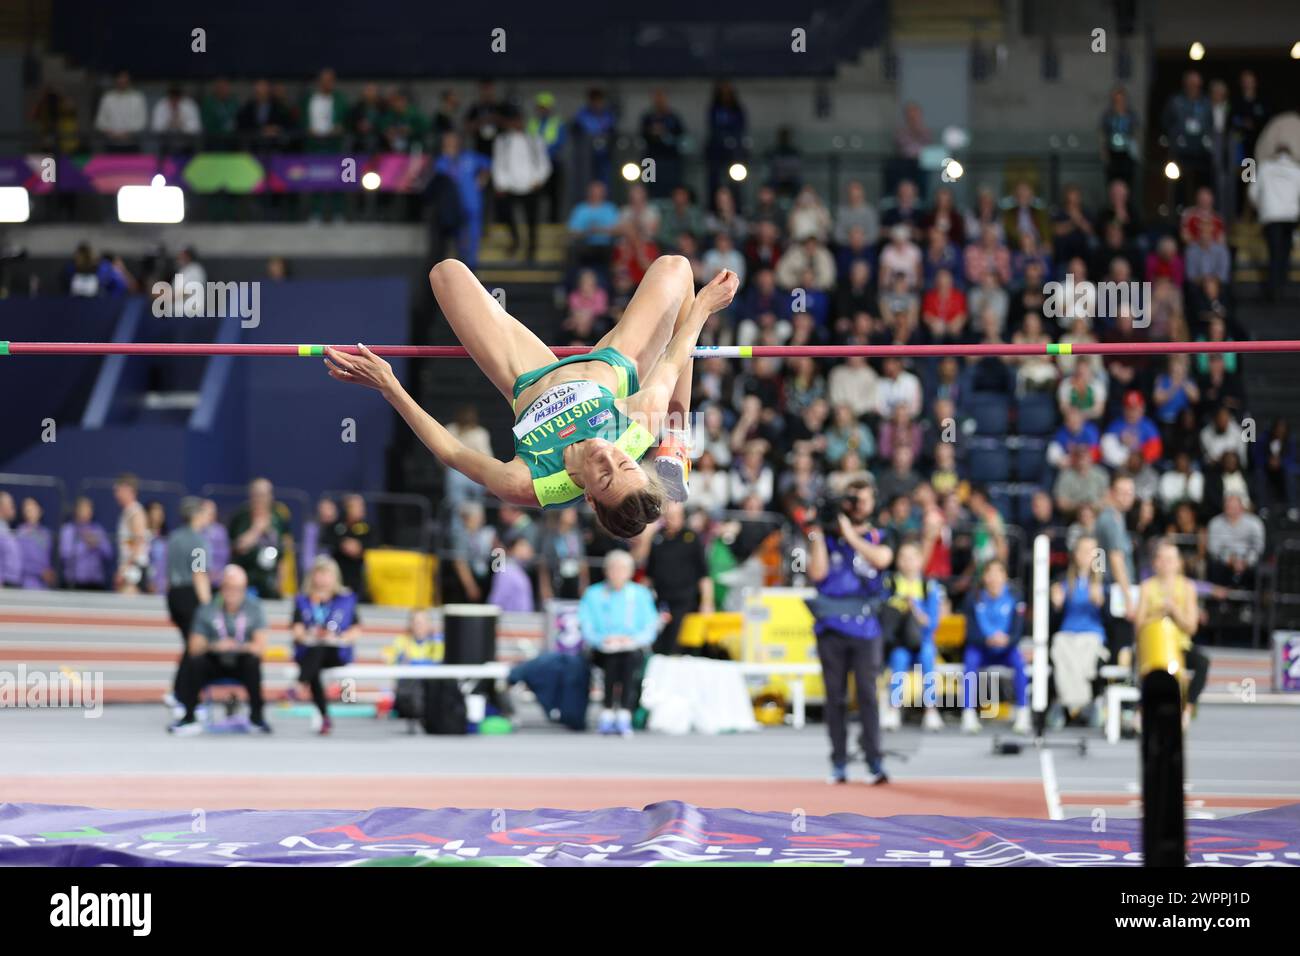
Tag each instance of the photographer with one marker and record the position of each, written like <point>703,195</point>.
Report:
<point>847,562</point>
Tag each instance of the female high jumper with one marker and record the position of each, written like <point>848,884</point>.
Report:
<point>583,423</point>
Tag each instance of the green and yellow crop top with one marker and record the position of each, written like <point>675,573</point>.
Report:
<point>571,412</point>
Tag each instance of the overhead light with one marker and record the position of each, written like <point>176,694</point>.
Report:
<point>1171,170</point>
<point>738,172</point>
<point>156,202</point>
<point>371,181</point>
<point>952,170</point>
<point>631,172</point>
<point>1295,50</point>
<point>1197,51</point>
<point>14,204</point>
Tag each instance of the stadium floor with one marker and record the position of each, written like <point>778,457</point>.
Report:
<point>1239,758</point>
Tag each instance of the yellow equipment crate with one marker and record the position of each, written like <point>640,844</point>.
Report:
<point>400,578</point>
<point>779,627</point>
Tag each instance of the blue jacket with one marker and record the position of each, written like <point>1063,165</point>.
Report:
<point>630,611</point>
<point>987,615</point>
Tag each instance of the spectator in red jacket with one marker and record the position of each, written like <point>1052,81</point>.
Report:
<point>1131,432</point>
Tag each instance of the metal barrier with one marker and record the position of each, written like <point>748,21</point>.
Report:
<point>56,490</point>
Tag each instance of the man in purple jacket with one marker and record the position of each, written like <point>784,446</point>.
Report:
<point>35,543</point>
<point>11,561</point>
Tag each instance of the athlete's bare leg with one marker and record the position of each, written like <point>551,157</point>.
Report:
<point>660,301</point>
<point>502,346</point>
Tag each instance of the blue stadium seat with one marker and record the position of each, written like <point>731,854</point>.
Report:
<point>1036,414</point>
<point>988,462</point>
<point>1031,460</point>
<point>991,411</point>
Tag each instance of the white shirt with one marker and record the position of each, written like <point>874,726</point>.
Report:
<point>320,113</point>
<point>179,117</point>
<point>520,162</point>
<point>904,390</point>
<point>854,386</point>
<point>122,111</point>
<point>1276,190</point>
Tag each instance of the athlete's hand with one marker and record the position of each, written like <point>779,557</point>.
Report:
<point>366,369</point>
<point>719,292</point>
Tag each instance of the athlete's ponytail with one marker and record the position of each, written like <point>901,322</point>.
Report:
<point>629,517</point>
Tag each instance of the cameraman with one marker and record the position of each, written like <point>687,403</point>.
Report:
<point>847,562</point>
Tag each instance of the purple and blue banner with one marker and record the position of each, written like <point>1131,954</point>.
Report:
<point>234,173</point>
<point>662,834</point>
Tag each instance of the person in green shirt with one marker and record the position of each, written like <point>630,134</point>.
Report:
<point>259,533</point>
<point>219,112</point>
<point>402,125</point>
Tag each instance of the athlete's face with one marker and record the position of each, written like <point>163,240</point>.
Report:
<point>609,474</point>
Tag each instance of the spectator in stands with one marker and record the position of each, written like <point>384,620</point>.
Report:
<point>1034,373</point>
<point>1225,168</point>
<point>1275,464</point>
<point>317,535</point>
<point>808,218</point>
<point>562,558</point>
<point>402,127</point>
<point>897,386</point>
<point>122,115</point>
<point>944,309</point>
<point>1276,195</point>
<point>551,129</point>
<point>987,254</point>
<point>1221,436</point>
<point>132,536</point>
<point>1115,245</point>
<point>1119,137</point>
<point>902,256</point>
<point>1182,482</point>
<point>1175,390</point>
<point>521,166</point>
<point>856,213</point>
<point>901,429</point>
<point>470,543</point>
<point>1113,537</point>
<point>36,548</point>
<point>365,119</point>
<point>808,256</point>
<point>218,540</point>
<point>11,556</point>
<point>723,255</point>
<point>1072,231</point>
<point>662,130</point>
<point>53,114</point>
<point>1206,258</point>
<point>751,475</point>
<point>512,589</point>
<point>1226,477</point>
<point>1080,480</point>
<point>848,435</point>
<point>594,127</point>
<point>1219,388</point>
<point>352,536</point>
<point>1249,114</point>
<point>995,621</point>
<point>186,578</point>
<point>1187,122</point>
<point>325,112</point>
<point>264,120</point>
<point>618,621</point>
<point>483,119</point>
<point>677,569</point>
<point>1170,596</point>
<point>908,621</point>
<point>1026,216</point>
<point>728,127</point>
<point>85,550</point>
<point>227,641</point>
<point>259,534</point>
<point>593,225</point>
<point>940,254</point>
<point>639,211</point>
<point>900,479</point>
<point>1201,220</point>
<point>1079,644</point>
<point>90,275</point>
<point>904,209</point>
<point>156,516</point>
<point>1083,390</point>
<point>1132,432</point>
<point>176,121</point>
<point>325,627</point>
<point>469,171</point>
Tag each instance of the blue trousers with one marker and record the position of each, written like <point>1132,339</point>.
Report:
<point>978,657</point>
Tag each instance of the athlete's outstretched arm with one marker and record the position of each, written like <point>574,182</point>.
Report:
<point>508,480</point>
<point>668,387</point>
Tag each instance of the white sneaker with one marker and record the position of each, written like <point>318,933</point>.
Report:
<point>317,721</point>
<point>623,723</point>
<point>606,725</point>
<point>931,721</point>
<point>890,718</point>
<point>1022,724</point>
<point>970,722</point>
<point>673,466</point>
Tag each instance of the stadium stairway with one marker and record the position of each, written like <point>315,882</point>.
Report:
<point>1272,387</point>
